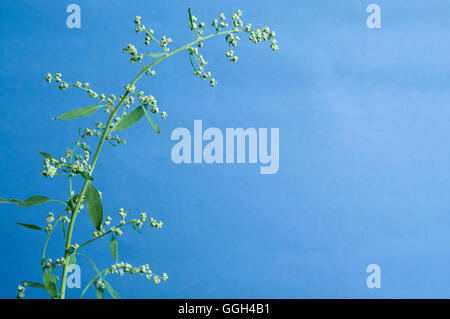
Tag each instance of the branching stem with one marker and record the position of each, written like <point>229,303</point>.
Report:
<point>106,131</point>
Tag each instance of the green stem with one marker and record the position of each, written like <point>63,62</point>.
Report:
<point>48,238</point>
<point>91,282</point>
<point>101,142</point>
<point>103,235</point>
<point>57,201</point>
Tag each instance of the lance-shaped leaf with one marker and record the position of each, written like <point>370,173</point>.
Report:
<point>153,124</point>
<point>191,24</point>
<point>86,176</point>
<point>30,201</point>
<point>77,113</point>
<point>94,206</point>
<point>100,292</point>
<point>72,259</point>
<point>154,55</point>
<point>46,155</point>
<point>33,284</point>
<point>50,284</point>
<point>136,229</point>
<point>34,200</point>
<point>111,291</point>
<point>114,245</point>
<point>132,118</point>
<point>10,201</point>
<point>30,226</point>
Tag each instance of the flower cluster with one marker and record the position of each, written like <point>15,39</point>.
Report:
<point>116,230</point>
<point>232,38</point>
<point>149,36</point>
<point>264,34</point>
<point>156,224</point>
<point>85,87</point>
<point>51,265</point>
<point>50,219</point>
<point>100,283</point>
<point>165,41</point>
<point>230,54</point>
<point>199,70</point>
<point>197,27</point>
<point>60,261</point>
<point>51,167</point>
<point>81,163</point>
<point>20,292</point>
<point>99,233</point>
<point>219,23</point>
<point>133,52</point>
<point>121,268</point>
<point>150,101</point>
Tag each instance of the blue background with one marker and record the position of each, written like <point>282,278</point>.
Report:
<point>364,160</point>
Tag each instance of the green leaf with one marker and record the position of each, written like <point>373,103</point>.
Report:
<point>114,245</point>
<point>77,113</point>
<point>50,284</point>
<point>63,229</point>
<point>72,260</point>
<point>129,119</point>
<point>30,226</point>
<point>86,176</point>
<point>100,292</point>
<point>46,155</point>
<point>34,200</point>
<point>155,127</point>
<point>32,284</point>
<point>190,19</point>
<point>10,201</point>
<point>136,229</point>
<point>94,206</point>
<point>30,201</point>
<point>192,63</point>
<point>111,291</point>
<point>154,55</point>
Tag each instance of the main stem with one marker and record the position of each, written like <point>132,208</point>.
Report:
<point>106,131</point>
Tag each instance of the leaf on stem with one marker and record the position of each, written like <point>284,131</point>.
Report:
<point>136,229</point>
<point>128,120</point>
<point>190,19</point>
<point>153,124</point>
<point>77,113</point>
<point>30,226</point>
<point>64,230</point>
<point>72,260</point>
<point>33,284</point>
<point>192,63</point>
<point>50,284</point>
<point>111,290</point>
<point>30,201</point>
<point>46,155</point>
<point>100,292</point>
<point>154,55</point>
<point>114,245</point>
<point>86,176</point>
<point>94,206</point>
